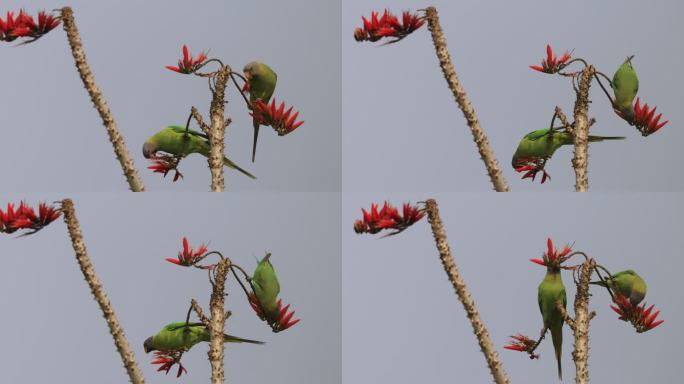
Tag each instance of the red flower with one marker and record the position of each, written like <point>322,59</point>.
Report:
<point>280,323</point>
<point>532,168</point>
<point>25,26</point>
<point>388,26</point>
<point>522,343</point>
<point>644,118</point>
<point>552,258</point>
<point>641,317</point>
<point>167,359</point>
<point>25,217</point>
<point>551,64</point>
<point>276,117</point>
<point>188,64</point>
<point>189,257</point>
<point>165,163</point>
<point>388,218</point>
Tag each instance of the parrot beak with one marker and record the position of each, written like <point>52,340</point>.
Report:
<point>147,346</point>
<point>149,150</point>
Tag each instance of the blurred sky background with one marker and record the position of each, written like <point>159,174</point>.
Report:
<point>55,331</point>
<point>53,138</point>
<point>404,132</point>
<point>402,322</point>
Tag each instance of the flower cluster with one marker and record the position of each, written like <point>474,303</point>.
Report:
<point>275,116</point>
<point>24,217</point>
<point>388,217</point>
<point>188,64</point>
<point>552,64</point>
<point>644,118</point>
<point>24,25</point>
<point>388,25</point>
<point>164,164</point>
<point>641,317</point>
<point>552,258</point>
<point>531,167</point>
<point>189,257</point>
<point>522,343</point>
<point>168,359</point>
<point>280,323</point>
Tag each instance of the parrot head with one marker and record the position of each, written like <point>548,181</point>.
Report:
<point>149,149</point>
<point>251,70</point>
<point>148,346</point>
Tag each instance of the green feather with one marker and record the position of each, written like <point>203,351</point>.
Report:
<point>625,87</point>
<point>551,291</point>
<point>262,82</point>
<point>266,287</point>
<point>179,336</point>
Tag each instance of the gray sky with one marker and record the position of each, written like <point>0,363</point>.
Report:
<point>53,138</point>
<point>404,324</point>
<point>404,132</point>
<point>54,328</point>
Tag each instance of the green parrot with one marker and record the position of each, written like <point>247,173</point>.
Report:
<point>261,82</point>
<point>625,87</point>
<point>628,284</point>
<point>179,337</point>
<point>542,143</point>
<point>552,291</point>
<point>174,140</point>
<point>266,287</point>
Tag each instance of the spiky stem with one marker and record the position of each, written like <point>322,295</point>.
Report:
<point>454,275</point>
<point>580,161</point>
<point>580,355</point>
<point>117,332</point>
<point>462,100</point>
<point>115,137</point>
<point>218,129</point>
<point>218,322</point>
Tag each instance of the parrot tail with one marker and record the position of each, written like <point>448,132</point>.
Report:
<point>557,338</point>
<point>234,339</point>
<point>601,138</point>
<point>229,163</point>
<point>256,137</point>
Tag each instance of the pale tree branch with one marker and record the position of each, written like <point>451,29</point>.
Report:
<point>217,322</point>
<point>117,332</point>
<point>456,280</point>
<point>217,130</point>
<point>580,161</point>
<point>464,104</point>
<point>580,355</point>
<point>115,137</point>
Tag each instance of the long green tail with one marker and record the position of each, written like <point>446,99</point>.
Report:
<point>557,338</point>
<point>234,339</point>
<point>228,163</point>
<point>601,138</point>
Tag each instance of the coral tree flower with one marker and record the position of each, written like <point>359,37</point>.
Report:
<point>24,217</point>
<point>188,64</point>
<point>552,258</point>
<point>275,116</point>
<point>644,118</point>
<point>531,169</point>
<point>24,25</point>
<point>189,257</point>
<point>641,317</point>
<point>522,343</point>
<point>388,25</point>
<point>283,321</point>
<point>164,164</point>
<point>552,64</point>
<point>167,360</point>
<point>388,217</point>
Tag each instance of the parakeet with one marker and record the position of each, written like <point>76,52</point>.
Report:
<point>628,284</point>
<point>542,143</point>
<point>625,87</point>
<point>261,82</point>
<point>266,287</point>
<point>174,140</point>
<point>552,291</point>
<point>179,337</point>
